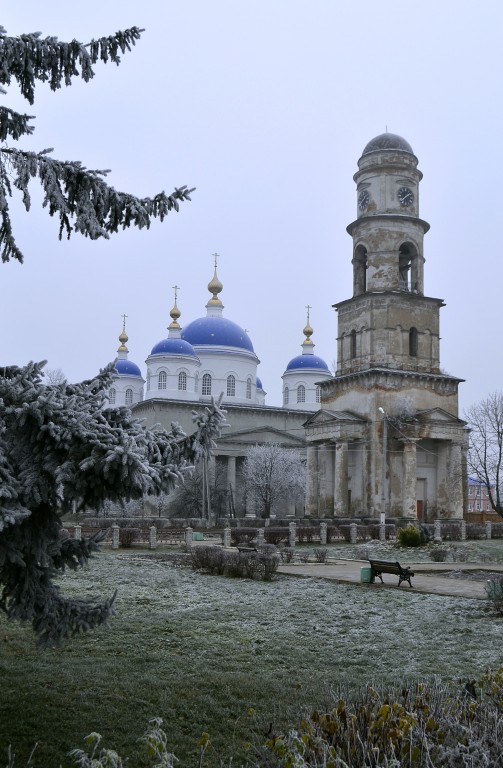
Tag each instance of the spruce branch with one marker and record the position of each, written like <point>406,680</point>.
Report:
<point>80,197</point>
<point>30,57</point>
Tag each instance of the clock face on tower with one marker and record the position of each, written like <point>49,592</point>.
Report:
<point>363,200</point>
<point>405,196</point>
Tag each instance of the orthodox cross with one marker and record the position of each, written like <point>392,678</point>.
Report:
<point>123,323</point>
<point>308,307</point>
<point>217,256</point>
<point>176,288</point>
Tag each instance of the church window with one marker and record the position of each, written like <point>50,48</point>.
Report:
<point>231,386</point>
<point>206,388</point>
<point>163,380</point>
<point>301,394</point>
<point>248,388</point>
<point>129,396</point>
<point>286,396</point>
<point>182,380</point>
<point>111,396</point>
<point>318,395</point>
<point>413,342</point>
<point>196,383</point>
<point>353,344</point>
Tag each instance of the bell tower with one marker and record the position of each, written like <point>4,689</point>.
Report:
<point>387,440</point>
<point>388,323</point>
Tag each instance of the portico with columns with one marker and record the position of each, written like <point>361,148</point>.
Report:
<point>387,440</point>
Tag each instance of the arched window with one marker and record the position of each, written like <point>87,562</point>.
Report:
<point>182,380</point>
<point>286,396</point>
<point>163,379</point>
<point>413,342</point>
<point>248,388</point>
<point>360,266</point>
<point>196,383</point>
<point>111,396</point>
<point>206,388</point>
<point>129,396</point>
<point>318,395</point>
<point>352,351</point>
<point>231,386</point>
<point>301,394</point>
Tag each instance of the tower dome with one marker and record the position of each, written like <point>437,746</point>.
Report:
<point>172,366</point>
<point>303,374</point>
<point>228,360</point>
<point>127,386</point>
<point>387,141</point>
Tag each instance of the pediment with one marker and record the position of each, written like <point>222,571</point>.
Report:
<point>259,435</point>
<point>438,414</point>
<point>332,417</point>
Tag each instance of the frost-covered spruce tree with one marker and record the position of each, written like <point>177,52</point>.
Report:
<point>59,447</point>
<point>81,198</point>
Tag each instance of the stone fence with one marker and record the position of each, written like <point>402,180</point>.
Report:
<point>324,533</point>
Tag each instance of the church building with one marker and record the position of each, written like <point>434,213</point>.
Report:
<point>387,441</point>
<point>210,357</point>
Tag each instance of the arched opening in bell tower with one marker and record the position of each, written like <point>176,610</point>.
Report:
<point>408,268</point>
<point>360,270</point>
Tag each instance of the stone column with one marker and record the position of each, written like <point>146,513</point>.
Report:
<point>323,534</point>
<point>326,479</point>
<point>115,537</point>
<point>78,533</point>
<point>312,481</point>
<point>341,480</point>
<point>260,537</point>
<point>227,537</point>
<point>152,539</point>
<point>409,508</point>
<point>292,534</point>
<point>382,532</point>
<point>188,538</point>
<point>488,530</point>
<point>455,482</point>
<point>353,533</point>
<point>463,530</point>
<point>437,536</point>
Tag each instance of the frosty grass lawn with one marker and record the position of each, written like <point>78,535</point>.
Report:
<point>202,651</point>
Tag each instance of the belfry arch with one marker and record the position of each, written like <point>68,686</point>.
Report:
<point>410,274</point>
<point>360,265</point>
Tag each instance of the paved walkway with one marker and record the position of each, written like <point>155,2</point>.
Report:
<point>429,577</point>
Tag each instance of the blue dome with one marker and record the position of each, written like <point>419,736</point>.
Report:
<point>218,332</point>
<point>173,347</point>
<point>259,384</point>
<point>307,363</point>
<point>127,368</point>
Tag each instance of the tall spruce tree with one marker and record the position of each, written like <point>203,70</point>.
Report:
<point>60,446</point>
<point>81,198</point>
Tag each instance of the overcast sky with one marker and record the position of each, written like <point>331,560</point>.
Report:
<point>265,107</point>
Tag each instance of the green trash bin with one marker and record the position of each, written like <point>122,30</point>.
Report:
<point>366,576</point>
<point>196,536</point>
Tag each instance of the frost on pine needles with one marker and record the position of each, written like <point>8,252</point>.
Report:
<point>61,448</point>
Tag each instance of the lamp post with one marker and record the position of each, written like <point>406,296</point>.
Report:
<point>384,452</point>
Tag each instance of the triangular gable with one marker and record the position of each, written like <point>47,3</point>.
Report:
<point>332,417</point>
<point>438,414</point>
<point>259,435</point>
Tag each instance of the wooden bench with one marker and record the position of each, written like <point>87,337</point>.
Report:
<point>382,566</point>
<point>246,549</point>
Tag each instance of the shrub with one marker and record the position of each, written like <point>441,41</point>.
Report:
<point>409,536</point>
<point>276,535</point>
<point>439,554</point>
<point>475,531</point>
<point>304,557</point>
<point>333,533</point>
<point>286,554</point>
<point>321,554</point>
<point>127,536</point>
<point>243,536</point>
<point>305,533</point>
<point>418,725</point>
<point>451,531</point>
<point>221,562</point>
<point>494,590</point>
